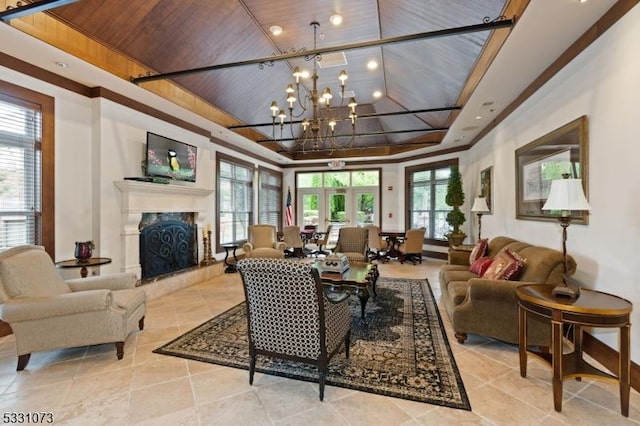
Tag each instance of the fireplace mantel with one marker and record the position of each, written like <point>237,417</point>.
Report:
<point>147,197</point>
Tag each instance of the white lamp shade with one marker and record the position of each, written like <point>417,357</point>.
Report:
<point>480,205</point>
<point>566,194</point>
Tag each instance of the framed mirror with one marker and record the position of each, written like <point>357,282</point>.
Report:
<point>564,150</point>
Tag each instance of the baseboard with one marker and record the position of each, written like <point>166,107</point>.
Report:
<point>435,254</point>
<point>609,357</point>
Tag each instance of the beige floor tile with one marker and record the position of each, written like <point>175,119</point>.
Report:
<point>501,408</point>
<point>367,409</point>
<point>244,409</point>
<point>90,386</point>
<point>159,400</point>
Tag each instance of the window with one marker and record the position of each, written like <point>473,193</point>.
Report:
<point>26,168</point>
<point>235,199</point>
<point>270,197</point>
<point>427,189</point>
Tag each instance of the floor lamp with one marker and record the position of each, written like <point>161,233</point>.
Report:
<point>566,195</point>
<point>480,207</point>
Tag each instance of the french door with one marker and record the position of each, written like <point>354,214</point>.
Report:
<point>338,207</point>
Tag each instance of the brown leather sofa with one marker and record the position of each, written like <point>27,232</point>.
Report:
<point>490,307</point>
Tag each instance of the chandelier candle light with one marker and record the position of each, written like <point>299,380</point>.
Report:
<point>480,207</point>
<point>566,195</point>
<point>318,131</point>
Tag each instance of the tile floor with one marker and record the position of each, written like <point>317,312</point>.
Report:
<point>88,386</point>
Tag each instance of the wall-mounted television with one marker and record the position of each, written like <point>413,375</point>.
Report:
<point>170,158</point>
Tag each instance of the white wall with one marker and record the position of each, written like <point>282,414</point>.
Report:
<point>603,84</point>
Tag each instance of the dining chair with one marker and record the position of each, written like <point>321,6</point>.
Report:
<point>411,248</point>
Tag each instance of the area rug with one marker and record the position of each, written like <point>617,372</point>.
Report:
<point>400,350</point>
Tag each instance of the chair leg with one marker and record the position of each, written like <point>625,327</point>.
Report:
<point>252,368</point>
<point>323,376</point>
<point>347,344</point>
<point>141,324</point>
<point>120,349</point>
<point>23,360</point>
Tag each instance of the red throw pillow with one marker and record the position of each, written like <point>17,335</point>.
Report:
<point>506,266</point>
<point>480,266</point>
<point>479,250</point>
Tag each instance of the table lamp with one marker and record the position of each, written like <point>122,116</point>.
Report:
<point>480,207</point>
<point>566,195</point>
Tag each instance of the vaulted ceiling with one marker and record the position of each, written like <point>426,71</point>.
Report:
<point>431,56</point>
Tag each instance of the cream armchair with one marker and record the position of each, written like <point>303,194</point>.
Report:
<point>263,242</point>
<point>46,312</point>
<point>411,249</point>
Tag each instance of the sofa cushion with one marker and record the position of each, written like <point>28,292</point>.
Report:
<point>479,250</point>
<point>506,266</point>
<point>30,273</point>
<point>480,266</point>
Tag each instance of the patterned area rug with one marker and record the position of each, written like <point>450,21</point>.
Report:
<point>401,351</point>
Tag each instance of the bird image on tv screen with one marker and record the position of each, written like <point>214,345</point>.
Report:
<point>170,159</point>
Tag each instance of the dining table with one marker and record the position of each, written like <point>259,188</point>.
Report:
<point>394,239</point>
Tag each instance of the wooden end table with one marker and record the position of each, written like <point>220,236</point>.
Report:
<point>230,267</point>
<point>591,309</point>
<point>83,264</point>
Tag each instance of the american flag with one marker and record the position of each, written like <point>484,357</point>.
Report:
<point>289,211</point>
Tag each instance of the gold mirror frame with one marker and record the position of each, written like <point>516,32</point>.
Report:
<point>564,150</point>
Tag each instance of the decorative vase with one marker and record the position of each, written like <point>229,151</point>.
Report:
<point>84,250</point>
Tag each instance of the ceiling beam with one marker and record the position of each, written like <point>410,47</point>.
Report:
<point>358,135</point>
<point>500,22</point>
<point>30,8</point>
<point>363,116</point>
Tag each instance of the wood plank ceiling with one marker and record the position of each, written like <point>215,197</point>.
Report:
<point>167,36</point>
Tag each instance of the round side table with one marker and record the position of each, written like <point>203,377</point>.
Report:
<point>591,309</point>
<point>83,265</point>
<point>231,267</point>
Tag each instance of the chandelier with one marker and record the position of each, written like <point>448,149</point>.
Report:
<point>318,131</point>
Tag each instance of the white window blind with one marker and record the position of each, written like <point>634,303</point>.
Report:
<point>270,198</point>
<point>235,200</point>
<point>20,171</point>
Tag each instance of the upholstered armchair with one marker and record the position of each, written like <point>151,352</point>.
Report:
<point>295,244</point>
<point>46,312</point>
<point>352,242</point>
<point>411,249</point>
<point>263,242</point>
<point>377,245</point>
<point>323,240</point>
<point>289,316</point>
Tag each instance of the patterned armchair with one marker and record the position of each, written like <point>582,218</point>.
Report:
<point>289,316</point>
<point>263,242</point>
<point>48,313</point>
<point>352,242</point>
<point>411,249</point>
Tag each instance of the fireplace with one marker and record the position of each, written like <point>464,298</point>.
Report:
<point>168,243</point>
<point>144,203</point>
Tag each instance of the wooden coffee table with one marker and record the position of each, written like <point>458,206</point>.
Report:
<point>355,280</point>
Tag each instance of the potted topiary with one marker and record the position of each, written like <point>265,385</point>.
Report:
<point>455,199</point>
